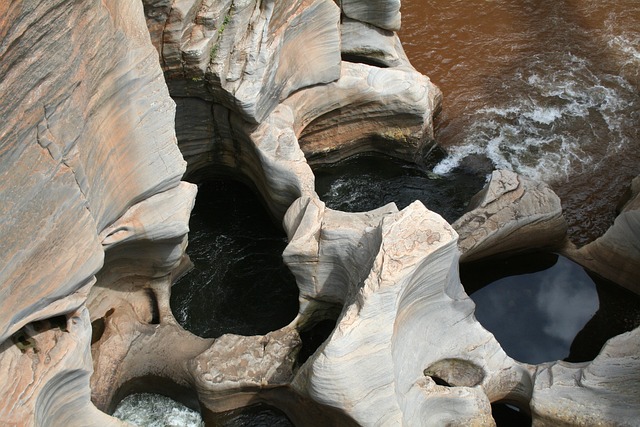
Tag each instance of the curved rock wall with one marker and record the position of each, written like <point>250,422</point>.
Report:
<point>616,254</point>
<point>86,133</point>
<point>94,222</point>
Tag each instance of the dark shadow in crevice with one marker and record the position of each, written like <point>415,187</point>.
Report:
<point>155,308</point>
<point>361,59</point>
<point>313,338</point>
<point>508,415</point>
<point>619,312</point>
<point>99,325</point>
<point>439,381</point>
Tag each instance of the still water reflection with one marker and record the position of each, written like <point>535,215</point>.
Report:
<point>537,306</point>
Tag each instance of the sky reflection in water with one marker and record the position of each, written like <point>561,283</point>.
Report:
<point>536,316</point>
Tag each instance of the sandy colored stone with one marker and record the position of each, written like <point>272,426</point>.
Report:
<point>362,42</point>
<point>511,213</point>
<point>605,391</point>
<point>616,254</point>
<point>381,13</point>
<point>71,109</point>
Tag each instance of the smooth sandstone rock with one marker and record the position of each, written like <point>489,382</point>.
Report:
<point>388,110</point>
<point>381,13</point>
<point>605,391</point>
<point>510,214</point>
<point>248,54</point>
<point>45,381</point>
<point>361,42</point>
<point>616,254</point>
<point>68,168</point>
<point>377,365</point>
<point>87,132</point>
<point>330,253</point>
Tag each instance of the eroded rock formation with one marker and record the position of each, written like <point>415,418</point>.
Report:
<point>616,254</point>
<point>95,220</point>
<point>86,133</point>
<point>512,213</point>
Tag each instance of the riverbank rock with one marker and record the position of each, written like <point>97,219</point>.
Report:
<point>384,362</point>
<point>384,14</point>
<point>246,54</point>
<point>616,254</point>
<point>512,213</point>
<point>86,133</point>
<point>602,392</point>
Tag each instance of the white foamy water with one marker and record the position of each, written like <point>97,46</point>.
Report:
<point>565,117</point>
<point>154,410</point>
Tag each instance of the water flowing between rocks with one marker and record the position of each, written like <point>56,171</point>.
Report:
<point>549,89</point>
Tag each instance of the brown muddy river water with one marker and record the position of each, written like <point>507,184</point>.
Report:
<point>547,88</point>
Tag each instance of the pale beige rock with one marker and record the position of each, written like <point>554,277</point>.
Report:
<point>87,132</point>
<point>512,213</point>
<point>139,339</point>
<point>68,165</point>
<point>249,54</point>
<point>616,254</point>
<point>605,391</point>
<point>377,364</point>
<point>369,109</point>
<point>150,238</point>
<point>330,253</point>
<point>45,381</point>
<point>362,42</point>
<point>231,372</point>
<point>381,13</point>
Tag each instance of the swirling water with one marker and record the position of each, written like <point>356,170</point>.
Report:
<point>155,410</point>
<point>549,89</point>
<point>239,283</point>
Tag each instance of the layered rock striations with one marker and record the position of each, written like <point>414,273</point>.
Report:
<point>86,133</point>
<point>95,221</point>
<point>510,214</point>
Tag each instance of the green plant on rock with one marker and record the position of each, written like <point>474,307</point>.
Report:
<point>225,22</point>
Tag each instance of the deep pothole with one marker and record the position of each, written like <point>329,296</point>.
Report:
<point>543,307</point>
<point>368,181</point>
<point>239,283</point>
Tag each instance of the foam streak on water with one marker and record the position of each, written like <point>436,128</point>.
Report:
<point>553,125</point>
<point>550,89</point>
<point>154,410</point>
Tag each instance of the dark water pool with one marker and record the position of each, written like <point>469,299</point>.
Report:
<point>365,182</point>
<point>253,416</point>
<point>543,307</point>
<point>239,283</point>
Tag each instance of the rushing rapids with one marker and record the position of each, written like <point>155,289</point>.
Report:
<point>549,89</point>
